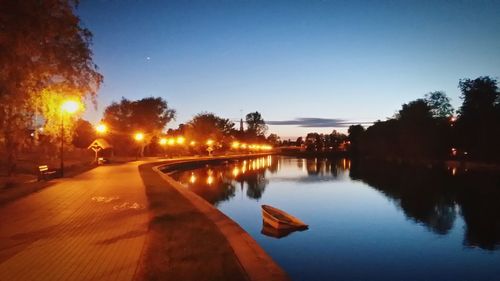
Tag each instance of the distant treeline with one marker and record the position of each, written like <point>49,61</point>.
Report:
<point>430,129</point>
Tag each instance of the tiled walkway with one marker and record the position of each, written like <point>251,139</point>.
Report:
<point>90,227</point>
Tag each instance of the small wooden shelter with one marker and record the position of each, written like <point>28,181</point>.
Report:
<point>101,147</point>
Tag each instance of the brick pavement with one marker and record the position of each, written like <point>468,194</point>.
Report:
<point>90,227</point>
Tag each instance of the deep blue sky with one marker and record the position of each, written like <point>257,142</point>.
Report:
<point>354,60</point>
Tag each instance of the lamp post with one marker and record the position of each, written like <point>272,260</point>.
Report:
<point>163,142</point>
<point>139,137</point>
<point>69,107</point>
<point>101,130</point>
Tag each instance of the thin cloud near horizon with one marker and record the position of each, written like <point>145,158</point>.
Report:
<point>311,122</point>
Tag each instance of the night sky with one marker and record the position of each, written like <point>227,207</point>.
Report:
<point>293,61</point>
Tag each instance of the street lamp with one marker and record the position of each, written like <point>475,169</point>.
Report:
<point>69,107</point>
<point>180,140</point>
<point>163,141</point>
<point>235,145</point>
<point>453,119</point>
<point>101,129</point>
<point>139,137</point>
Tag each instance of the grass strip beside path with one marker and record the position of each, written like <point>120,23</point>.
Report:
<point>183,244</point>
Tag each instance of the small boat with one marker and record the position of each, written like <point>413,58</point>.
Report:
<point>280,219</point>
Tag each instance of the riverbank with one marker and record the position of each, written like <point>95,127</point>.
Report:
<point>189,239</point>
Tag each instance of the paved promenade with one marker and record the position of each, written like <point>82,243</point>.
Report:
<point>90,227</point>
<point>98,226</point>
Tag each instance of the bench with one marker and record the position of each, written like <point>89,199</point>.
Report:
<point>102,160</point>
<point>44,173</point>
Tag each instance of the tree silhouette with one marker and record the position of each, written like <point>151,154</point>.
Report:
<point>273,139</point>
<point>439,104</point>
<point>355,132</point>
<point>299,141</point>
<point>414,134</point>
<point>84,134</point>
<point>256,126</point>
<point>414,112</point>
<point>479,121</point>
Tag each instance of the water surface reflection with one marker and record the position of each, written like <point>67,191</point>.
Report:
<point>367,220</point>
<point>436,197</point>
<point>219,183</point>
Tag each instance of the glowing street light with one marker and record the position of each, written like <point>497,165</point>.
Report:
<point>171,141</point>
<point>139,137</point>
<point>453,119</point>
<point>210,148</point>
<point>69,107</point>
<point>266,147</point>
<point>235,145</point>
<point>163,141</point>
<point>101,128</point>
<point>192,143</point>
<point>180,140</point>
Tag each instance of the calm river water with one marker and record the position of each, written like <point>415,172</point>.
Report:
<point>367,222</point>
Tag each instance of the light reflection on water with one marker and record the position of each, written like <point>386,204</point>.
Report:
<point>367,222</point>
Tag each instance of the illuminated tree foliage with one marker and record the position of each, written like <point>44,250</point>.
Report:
<point>41,45</point>
<point>148,115</point>
<point>48,104</point>
<point>205,126</point>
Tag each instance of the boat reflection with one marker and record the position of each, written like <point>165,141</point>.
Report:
<point>277,233</point>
